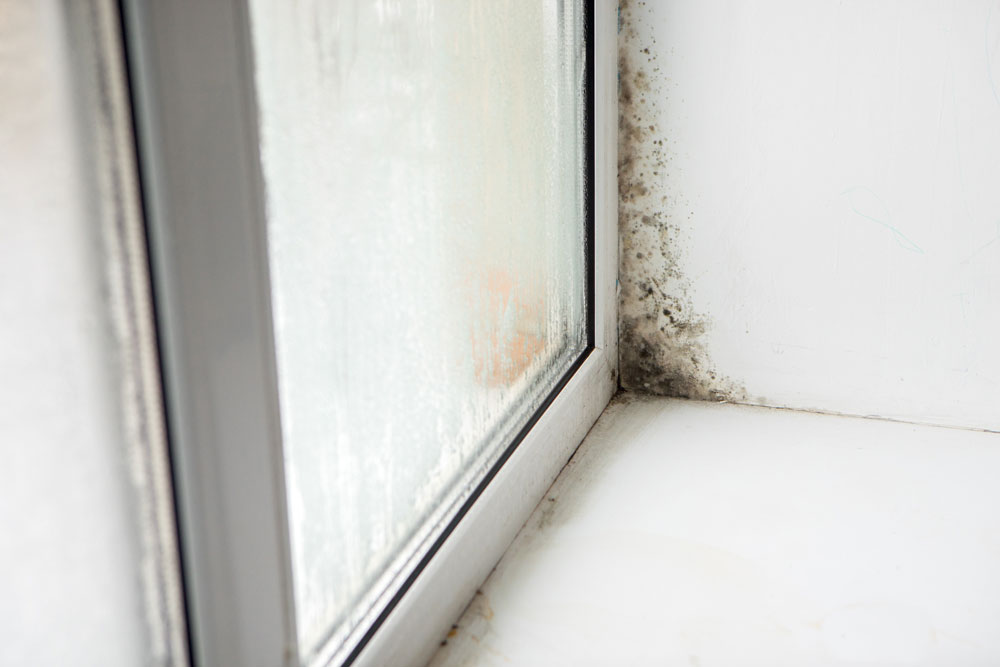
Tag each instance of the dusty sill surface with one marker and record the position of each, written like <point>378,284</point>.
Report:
<point>693,533</point>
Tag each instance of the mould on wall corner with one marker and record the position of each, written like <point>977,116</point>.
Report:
<point>661,338</point>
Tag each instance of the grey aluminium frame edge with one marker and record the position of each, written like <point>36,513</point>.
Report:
<point>412,631</point>
<point>95,33</point>
<point>191,74</point>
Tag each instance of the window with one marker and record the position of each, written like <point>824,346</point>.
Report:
<point>383,245</point>
<point>424,185</point>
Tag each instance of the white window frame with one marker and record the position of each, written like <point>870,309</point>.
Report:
<point>192,82</point>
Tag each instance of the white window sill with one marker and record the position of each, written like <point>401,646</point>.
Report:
<point>687,533</point>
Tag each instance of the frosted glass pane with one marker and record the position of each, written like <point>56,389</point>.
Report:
<point>424,166</point>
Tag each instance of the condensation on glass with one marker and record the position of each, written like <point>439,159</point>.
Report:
<point>424,177</point>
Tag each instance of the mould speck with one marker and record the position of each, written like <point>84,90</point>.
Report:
<point>662,337</point>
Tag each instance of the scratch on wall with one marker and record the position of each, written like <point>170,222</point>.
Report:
<point>662,338</point>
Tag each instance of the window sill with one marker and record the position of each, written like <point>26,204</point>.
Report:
<point>688,533</point>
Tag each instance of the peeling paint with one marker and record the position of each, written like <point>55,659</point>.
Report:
<point>661,336</point>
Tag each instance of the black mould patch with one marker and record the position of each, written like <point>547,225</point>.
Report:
<point>661,336</point>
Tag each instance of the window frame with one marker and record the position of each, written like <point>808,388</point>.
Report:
<point>197,141</point>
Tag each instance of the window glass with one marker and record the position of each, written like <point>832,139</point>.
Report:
<point>424,175</point>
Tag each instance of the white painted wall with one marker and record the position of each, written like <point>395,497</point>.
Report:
<point>830,176</point>
<point>87,560</point>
